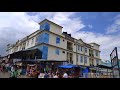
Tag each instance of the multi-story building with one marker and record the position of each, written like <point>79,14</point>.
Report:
<point>57,45</point>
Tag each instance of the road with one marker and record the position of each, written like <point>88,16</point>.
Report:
<point>6,75</point>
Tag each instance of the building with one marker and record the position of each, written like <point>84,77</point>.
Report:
<point>59,46</point>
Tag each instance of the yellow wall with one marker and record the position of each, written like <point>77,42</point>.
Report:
<point>52,41</point>
<point>53,56</point>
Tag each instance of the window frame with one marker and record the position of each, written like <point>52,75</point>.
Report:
<point>85,49</point>
<point>81,59</point>
<point>96,53</point>
<point>57,51</point>
<point>57,40</point>
<point>85,59</point>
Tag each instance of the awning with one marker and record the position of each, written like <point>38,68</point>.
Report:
<point>68,66</point>
<point>27,54</point>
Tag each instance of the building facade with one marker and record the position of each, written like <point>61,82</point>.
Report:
<point>58,45</point>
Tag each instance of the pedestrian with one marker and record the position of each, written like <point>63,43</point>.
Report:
<point>56,75</point>
<point>65,75</point>
<point>46,75</point>
<point>14,73</point>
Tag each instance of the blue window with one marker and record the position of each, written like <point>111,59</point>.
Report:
<point>45,26</point>
<point>43,38</point>
<point>85,50</point>
<point>44,50</point>
<point>57,40</point>
<point>57,51</point>
<point>81,59</point>
<point>85,59</point>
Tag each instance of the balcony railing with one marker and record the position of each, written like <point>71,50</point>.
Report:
<point>69,48</point>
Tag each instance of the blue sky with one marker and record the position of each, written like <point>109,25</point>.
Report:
<point>99,27</point>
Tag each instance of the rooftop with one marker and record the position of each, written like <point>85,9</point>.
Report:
<point>94,43</point>
<point>51,22</point>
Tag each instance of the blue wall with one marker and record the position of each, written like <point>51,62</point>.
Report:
<point>44,50</point>
<point>43,38</point>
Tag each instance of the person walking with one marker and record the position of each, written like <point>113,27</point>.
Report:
<point>14,73</point>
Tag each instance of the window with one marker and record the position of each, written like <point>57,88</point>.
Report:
<point>78,47</point>
<point>96,53</point>
<point>45,26</point>
<point>57,40</point>
<point>32,40</point>
<point>85,59</point>
<point>97,62</point>
<point>81,59</point>
<point>81,48</point>
<point>57,51</point>
<point>85,50</point>
<point>27,43</point>
<point>63,40</point>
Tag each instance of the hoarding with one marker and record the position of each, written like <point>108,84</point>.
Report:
<point>115,61</point>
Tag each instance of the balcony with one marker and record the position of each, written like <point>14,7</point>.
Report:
<point>69,48</point>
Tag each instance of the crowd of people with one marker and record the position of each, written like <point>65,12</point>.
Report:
<point>13,70</point>
<point>32,71</point>
<point>53,75</point>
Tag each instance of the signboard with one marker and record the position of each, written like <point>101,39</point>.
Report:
<point>115,61</point>
<point>114,57</point>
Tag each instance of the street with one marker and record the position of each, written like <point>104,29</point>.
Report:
<point>6,75</point>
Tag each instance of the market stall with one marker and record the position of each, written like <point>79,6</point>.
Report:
<point>72,70</point>
<point>32,70</point>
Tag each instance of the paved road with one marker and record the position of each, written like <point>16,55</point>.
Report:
<point>6,75</point>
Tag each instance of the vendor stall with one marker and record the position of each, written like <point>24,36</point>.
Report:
<point>72,70</point>
<point>32,70</point>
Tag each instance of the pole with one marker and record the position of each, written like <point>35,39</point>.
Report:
<point>112,66</point>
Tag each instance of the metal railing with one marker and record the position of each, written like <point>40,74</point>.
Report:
<point>96,75</point>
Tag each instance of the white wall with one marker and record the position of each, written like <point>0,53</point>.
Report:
<point>52,41</point>
<point>74,58</point>
<point>53,56</point>
<point>30,42</point>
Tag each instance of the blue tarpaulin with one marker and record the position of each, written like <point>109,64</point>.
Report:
<point>86,70</point>
<point>67,66</point>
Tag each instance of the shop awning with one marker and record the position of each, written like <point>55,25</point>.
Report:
<point>27,54</point>
<point>68,66</point>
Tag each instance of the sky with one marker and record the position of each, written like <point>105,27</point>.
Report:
<point>99,27</point>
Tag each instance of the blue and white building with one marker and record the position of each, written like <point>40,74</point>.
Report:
<point>59,46</point>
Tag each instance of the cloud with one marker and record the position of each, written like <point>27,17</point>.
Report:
<point>115,26</point>
<point>90,26</point>
<point>14,26</point>
<point>17,25</point>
